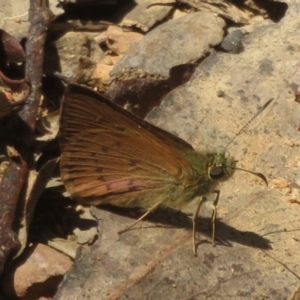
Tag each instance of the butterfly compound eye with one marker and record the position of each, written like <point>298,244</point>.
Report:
<point>216,173</point>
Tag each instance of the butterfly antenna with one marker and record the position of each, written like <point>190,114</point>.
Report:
<point>247,124</point>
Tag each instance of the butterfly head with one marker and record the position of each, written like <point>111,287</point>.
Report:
<point>221,167</point>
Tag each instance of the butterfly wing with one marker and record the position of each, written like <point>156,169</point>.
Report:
<point>107,154</point>
<point>76,117</point>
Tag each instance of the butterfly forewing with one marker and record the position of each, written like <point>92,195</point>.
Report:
<point>82,109</point>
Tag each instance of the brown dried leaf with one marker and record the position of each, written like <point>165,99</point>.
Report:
<point>36,184</point>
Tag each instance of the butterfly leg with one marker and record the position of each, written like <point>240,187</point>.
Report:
<point>142,217</point>
<point>203,199</point>
<point>214,216</point>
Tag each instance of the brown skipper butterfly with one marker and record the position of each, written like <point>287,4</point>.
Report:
<point>110,156</point>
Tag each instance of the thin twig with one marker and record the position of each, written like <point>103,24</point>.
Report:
<point>16,173</point>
